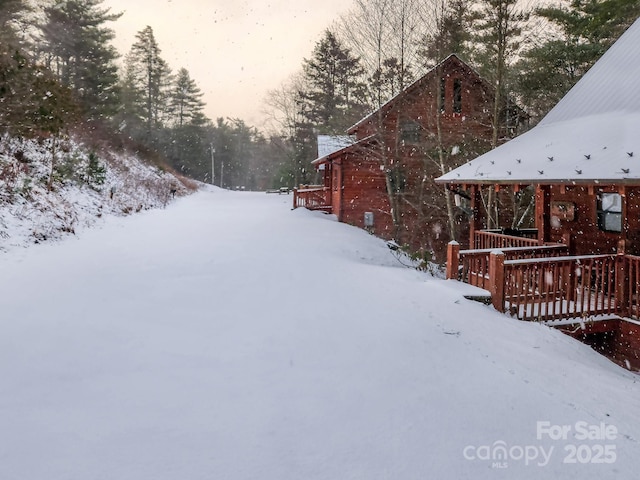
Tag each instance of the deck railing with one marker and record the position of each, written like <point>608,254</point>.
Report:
<point>632,286</point>
<point>498,239</point>
<point>472,266</point>
<point>556,288</point>
<point>312,197</point>
<point>544,284</point>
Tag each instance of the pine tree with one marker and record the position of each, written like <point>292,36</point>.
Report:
<point>454,22</point>
<point>586,30</point>
<point>77,48</point>
<point>387,81</point>
<point>333,97</point>
<point>186,100</point>
<point>500,26</point>
<point>147,82</point>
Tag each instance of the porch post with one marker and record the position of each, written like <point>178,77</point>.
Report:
<point>453,260</point>
<point>621,282</point>
<point>476,223</point>
<point>295,198</point>
<point>543,212</point>
<point>496,279</point>
<point>622,190</point>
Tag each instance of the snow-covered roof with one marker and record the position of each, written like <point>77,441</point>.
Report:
<point>350,145</point>
<point>328,144</point>
<point>592,134</point>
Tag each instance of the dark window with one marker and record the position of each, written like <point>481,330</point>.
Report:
<point>457,96</point>
<point>610,212</point>
<point>443,86</point>
<point>410,131</point>
<point>397,180</point>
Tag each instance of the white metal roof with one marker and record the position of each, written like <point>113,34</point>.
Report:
<point>328,144</point>
<point>592,134</point>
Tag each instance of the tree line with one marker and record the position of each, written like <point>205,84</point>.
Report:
<point>58,69</point>
<point>532,52</point>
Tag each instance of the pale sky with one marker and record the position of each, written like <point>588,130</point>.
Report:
<point>235,50</point>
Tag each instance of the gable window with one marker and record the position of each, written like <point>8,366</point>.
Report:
<point>410,131</point>
<point>610,212</point>
<point>457,96</point>
<point>443,91</point>
<point>397,180</point>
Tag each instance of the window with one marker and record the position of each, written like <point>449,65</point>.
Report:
<point>397,180</point>
<point>610,212</point>
<point>443,91</point>
<point>410,131</point>
<point>457,96</point>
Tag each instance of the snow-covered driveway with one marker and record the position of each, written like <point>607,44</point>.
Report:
<point>228,337</point>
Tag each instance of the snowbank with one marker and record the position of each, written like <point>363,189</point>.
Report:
<point>38,203</point>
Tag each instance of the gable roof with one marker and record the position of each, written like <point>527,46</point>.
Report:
<point>591,135</point>
<point>452,58</point>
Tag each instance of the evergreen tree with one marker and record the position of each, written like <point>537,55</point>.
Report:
<point>387,81</point>
<point>587,28</point>
<point>452,33</point>
<point>333,97</point>
<point>32,101</point>
<point>499,29</point>
<point>77,49</point>
<point>186,100</point>
<point>147,82</point>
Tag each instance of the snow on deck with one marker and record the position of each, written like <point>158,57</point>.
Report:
<point>228,337</point>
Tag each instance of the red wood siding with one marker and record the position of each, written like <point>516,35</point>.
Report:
<point>586,238</point>
<point>358,181</point>
<point>364,190</point>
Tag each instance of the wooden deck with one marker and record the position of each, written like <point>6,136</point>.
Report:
<point>312,197</point>
<point>542,283</point>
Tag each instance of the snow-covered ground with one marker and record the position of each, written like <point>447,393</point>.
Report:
<point>118,183</point>
<point>228,337</point>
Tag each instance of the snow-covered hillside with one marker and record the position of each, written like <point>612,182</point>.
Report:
<point>86,185</point>
<point>228,337</point>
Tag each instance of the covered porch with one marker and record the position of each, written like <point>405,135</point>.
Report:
<point>579,262</point>
<point>594,298</point>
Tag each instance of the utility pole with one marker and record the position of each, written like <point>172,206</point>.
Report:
<point>213,166</point>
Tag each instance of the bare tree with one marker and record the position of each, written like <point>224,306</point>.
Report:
<point>385,35</point>
<point>284,119</point>
<point>499,38</point>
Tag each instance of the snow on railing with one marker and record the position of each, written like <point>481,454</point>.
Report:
<point>544,289</point>
<point>543,284</point>
<point>472,266</point>
<point>312,197</point>
<point>497,239</point>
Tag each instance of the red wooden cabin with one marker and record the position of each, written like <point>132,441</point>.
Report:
<point>395,157</point>
<point>579,264</point>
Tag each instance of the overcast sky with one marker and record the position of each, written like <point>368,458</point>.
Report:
<point>235,50</point>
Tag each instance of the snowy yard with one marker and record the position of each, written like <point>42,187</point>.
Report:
<point>228,337</point>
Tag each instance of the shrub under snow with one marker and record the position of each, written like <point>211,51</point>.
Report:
<point>40,201</point>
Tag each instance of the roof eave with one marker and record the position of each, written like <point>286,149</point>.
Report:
<point>531,181</point>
